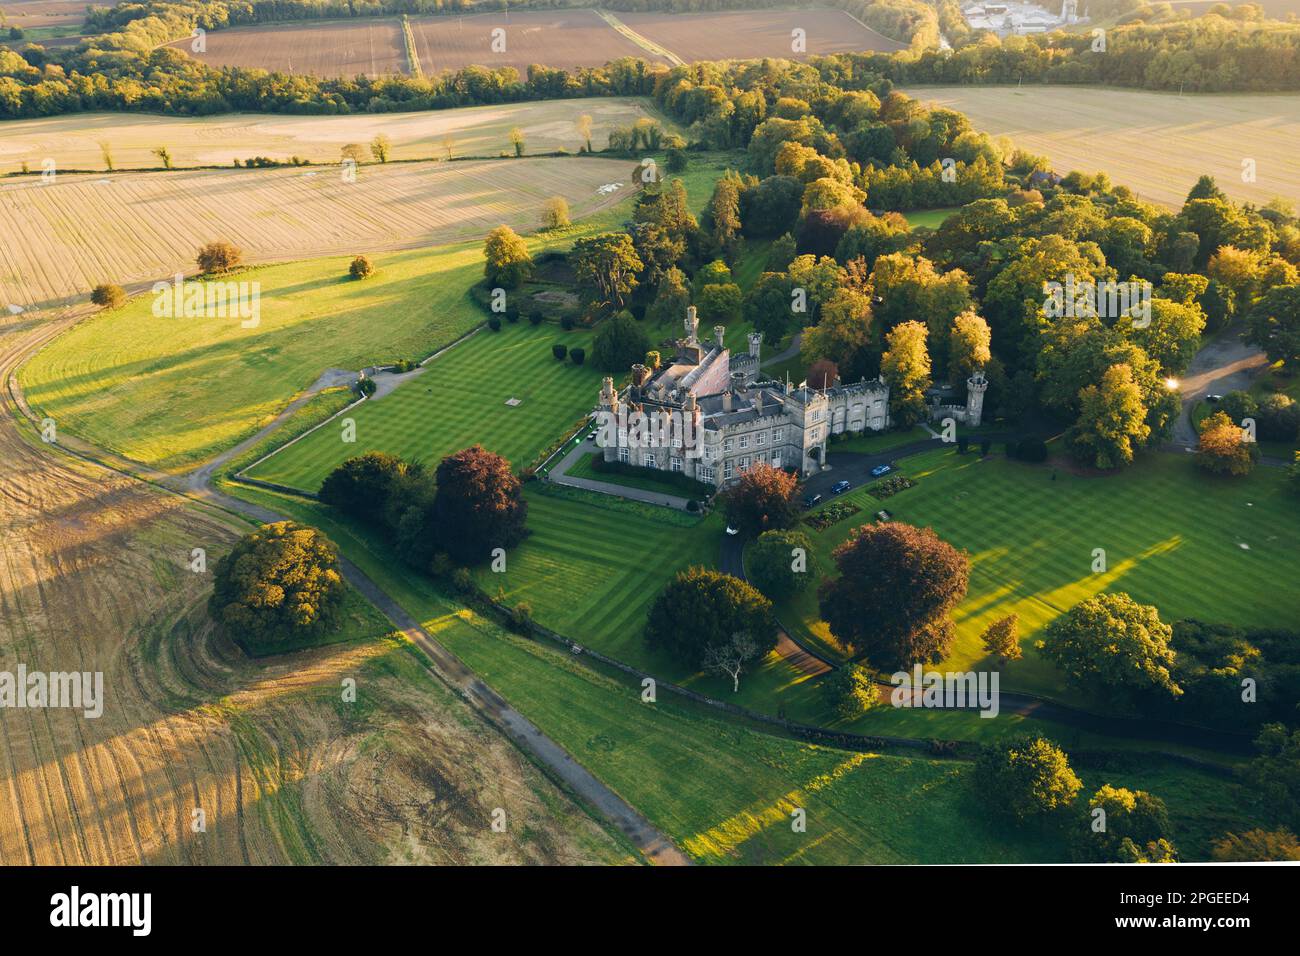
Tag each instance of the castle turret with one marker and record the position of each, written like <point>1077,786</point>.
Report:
<point>976,386</point>
<point>755,343</point>
<point>692,326</point>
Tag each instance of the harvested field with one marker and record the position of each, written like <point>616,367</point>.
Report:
<point>1155,143</point>
<point>130,228</point>
<point>369,47</point>
<point>562,39</point>
<point>73,141</point>
<point>93,577</point>
<point>745,34</point>
<point>35,14</point>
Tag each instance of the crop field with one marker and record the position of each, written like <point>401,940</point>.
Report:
<point>561,39</point>
<point>1155,143</point>
<point>73,142</point>
<point>36,14</point>
<point>345,48</point>
<point>745,34</point>
<point>129,228</point>
<point>1031,531</point>
<point>94,576</point>
<point>460,399</point>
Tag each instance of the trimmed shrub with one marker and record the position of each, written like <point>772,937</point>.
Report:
<point>108,296</point>
<point>560,351</point>
<point>361,268</point>
<point>577,356</point>
<point>494,323</point>
<point>535,317</point>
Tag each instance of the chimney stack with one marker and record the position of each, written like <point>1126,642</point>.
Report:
<point>719,334</point>
<point>640,374</point>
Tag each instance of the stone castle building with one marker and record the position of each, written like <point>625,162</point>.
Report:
<point>712,417</point>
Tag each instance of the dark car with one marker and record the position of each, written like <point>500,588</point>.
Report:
<point>811,501</point>
<point>840,487</point>
<point>881,470</point>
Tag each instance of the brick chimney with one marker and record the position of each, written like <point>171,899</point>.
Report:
<point>640,375</point>
<point>719,334</point>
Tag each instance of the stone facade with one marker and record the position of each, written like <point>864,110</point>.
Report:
<point>709,416</point>
<point>972,413</point>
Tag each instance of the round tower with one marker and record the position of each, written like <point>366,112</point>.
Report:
<point>976,386</point>
<point>692,324</point>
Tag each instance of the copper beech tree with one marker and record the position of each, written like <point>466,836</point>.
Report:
<point>762,499</point>
<point>896,589</point>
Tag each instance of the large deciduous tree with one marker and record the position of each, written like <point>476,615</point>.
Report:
<point>781,563</point>
<point>279,585</point>
<point>1026,778</point>
<point>1122,826</point>
<point>619,343</point>
<point>361,486</point>
<point>1223,448</point>
<point>508,262</point>
<point>609,264</point>
<point>761,499</point>
<point>896,589</point>
<point>478,506</point>
<point>1112,421</point>
<point>905,367</point>
<point>1274,324</point>
<point>1113,648</point>
<point>702,609</point>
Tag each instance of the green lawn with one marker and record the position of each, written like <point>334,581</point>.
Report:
<point>458,400</point>
<point>174,392</point>
<point>723,792</point>
<point>1218,550</point>
<point>930,218</point>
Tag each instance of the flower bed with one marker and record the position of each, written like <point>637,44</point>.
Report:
<point>823,519</point>
<point>890,486</point>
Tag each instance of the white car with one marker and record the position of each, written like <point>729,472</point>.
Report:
<point>731,530</point>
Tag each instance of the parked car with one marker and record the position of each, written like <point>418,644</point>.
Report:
<point>731,530</point>
<point>841,487</point>
<point>881,470</point>
<point>811,501</point>
<point>1214,398</point>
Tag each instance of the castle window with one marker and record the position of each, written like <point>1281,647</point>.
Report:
<point>744,463</point>
<point>762,438</point>
<point>706,474</point>
<point>623,454</point>
<point>776,434</point>
<point>650,461</point>
<point>744,441</point>
<point>674,463</point>
<point>727,470</point>
<point>776,459</point>
<point>726,445</point>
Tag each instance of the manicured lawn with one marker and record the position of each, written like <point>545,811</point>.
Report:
<point>930,218</point>
<point>725,793</point>
<point>873,443</point>
<point>585,467</point>
<point>460,399</point>
<point>1218,550</point>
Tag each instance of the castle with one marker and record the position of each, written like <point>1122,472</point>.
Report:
<point>708,415</point>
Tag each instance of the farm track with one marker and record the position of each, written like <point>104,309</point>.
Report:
<point>93,577</point>
<point>133,228</point>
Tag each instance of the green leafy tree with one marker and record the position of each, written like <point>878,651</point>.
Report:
<point>1113,648</point>
<point>1223,449</point>
<point>1025,779</point>
<point>609,264</point>
<point>969,343</point>
<point>508,262</point>
<point>108,296</point>
<point>849,691</point>
<point>672,298</point>
<point>1274,775</point>
<point>1002,637</point>
<point>701,609</point>
<point>893,599</point>
<point>1112,421</point>
<point>619,343</point>
<point>781,563</point>
<point>278,586</point>
<point>905,367</point>
<point>1123,826</point>
<point>361,486</point>
<point>1257,846</point>
<point>1274,325</point>
<point>720,303</point>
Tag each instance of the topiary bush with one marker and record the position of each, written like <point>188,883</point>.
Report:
<point>560,351</point>
<point>577,356</point>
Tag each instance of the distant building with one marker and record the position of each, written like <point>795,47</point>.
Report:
<point>711,418</point>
